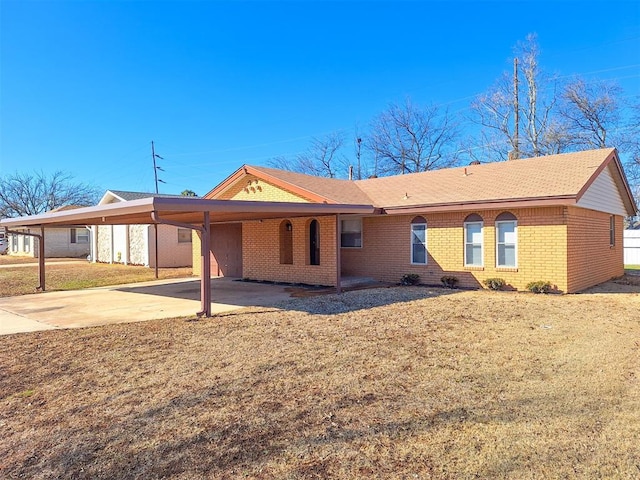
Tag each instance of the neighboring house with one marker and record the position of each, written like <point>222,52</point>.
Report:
<point>59,242</point>
<point>557,218</point>
<point>136,244</point>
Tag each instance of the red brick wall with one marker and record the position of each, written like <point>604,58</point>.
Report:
<point>261,252</point>
<point>591,259</point>
<point>543,237</point>
<point>386,250</point>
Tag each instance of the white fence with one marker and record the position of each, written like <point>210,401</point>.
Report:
<point>631,244</point>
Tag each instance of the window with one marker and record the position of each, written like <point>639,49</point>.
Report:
<point>314,243</point>
<point>419,241</point>
<point>506,240</point>
<point>351,234</point>
<point>286,242</point>
<point>79,235</point>
<point>184,235</point>
<point>473,241</point>
<point>612,231</point>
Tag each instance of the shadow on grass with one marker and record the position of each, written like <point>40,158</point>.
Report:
<point>179,438</point>
<point>291,297</point>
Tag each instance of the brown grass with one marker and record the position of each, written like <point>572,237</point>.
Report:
<point>18,260</point>
<point>23,280</point>
<point>429,384</point>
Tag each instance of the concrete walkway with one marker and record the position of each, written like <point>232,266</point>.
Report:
<point>129,303</point>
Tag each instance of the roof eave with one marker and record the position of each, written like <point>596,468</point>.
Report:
<point>139,211</point>
<point>483,205</point>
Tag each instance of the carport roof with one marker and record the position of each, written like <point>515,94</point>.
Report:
<point>183,210</point>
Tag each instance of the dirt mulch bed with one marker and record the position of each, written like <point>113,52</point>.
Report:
<point>387,383</point>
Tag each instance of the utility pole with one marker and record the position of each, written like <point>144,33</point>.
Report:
<point>359,142</point>
<point>516,113</point>
<point>156,167</point>
<point>155,225</point>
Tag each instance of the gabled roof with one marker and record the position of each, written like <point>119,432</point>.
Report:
<point>314,189</point>
<point>111,196</point>
<point>549,180</point>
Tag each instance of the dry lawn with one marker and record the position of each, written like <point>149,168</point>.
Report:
<point>427,383</point>
<point>21,280</point>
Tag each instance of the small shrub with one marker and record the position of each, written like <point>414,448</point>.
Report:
<point>539,287</point>
<point>410,279</point>
<point>449,281</point>
<point>494,283</point>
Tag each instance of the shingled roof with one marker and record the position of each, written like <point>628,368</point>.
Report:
<point>549,177</point>
<point>541,179</point>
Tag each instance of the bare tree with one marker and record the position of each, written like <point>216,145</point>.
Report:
<point>323,158</point>
<point>31,194</point>
<point>407,138</point>
<point>539,129</point>
<point>592,112</point>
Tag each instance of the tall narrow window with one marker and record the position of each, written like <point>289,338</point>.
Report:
<point>314,243</point>
<point>473,241</point>
<point>419,241</point>
<point>506,240</point>
<point>612,230</point>
<point>286,242</point>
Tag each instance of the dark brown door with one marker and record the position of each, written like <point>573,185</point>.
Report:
<point>226,250</point>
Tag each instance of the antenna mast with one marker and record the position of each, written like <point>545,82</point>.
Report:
<point>516,112</point>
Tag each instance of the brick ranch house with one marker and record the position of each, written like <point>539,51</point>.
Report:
<point>557,218</point>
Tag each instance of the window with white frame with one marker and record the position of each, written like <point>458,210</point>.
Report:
<point>79,235</point>
<point>351,233</point>
<point>184,235</point>
<point>419,241</point>
<point>473,241</point>
<point>506,240</point>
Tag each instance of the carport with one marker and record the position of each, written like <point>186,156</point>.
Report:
<point>188,212</point>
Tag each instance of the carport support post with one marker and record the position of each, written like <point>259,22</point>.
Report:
<point>41,258</point>
<point>205,263</point>
<point>40,238</point>
<point>338,257</point>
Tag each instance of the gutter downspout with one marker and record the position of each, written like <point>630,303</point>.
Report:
<point>205,258</point>
<point>40,237</point>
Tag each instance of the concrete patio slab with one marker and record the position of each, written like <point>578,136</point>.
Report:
<point>129,303</point>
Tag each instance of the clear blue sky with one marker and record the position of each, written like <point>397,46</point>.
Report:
<point>86,85</point>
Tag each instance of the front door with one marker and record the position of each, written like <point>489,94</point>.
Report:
<point>226,250</point>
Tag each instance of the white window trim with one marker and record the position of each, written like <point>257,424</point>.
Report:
<point>466,263</point>
<point>359,219</point>
<point>426,250</point>
<point>82,232</point>
<point>515,231</point>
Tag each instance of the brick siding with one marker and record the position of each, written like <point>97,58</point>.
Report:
<point>567,246</point>
<point>591,259</point>
<point>386,251</point>
<point>252,188</point>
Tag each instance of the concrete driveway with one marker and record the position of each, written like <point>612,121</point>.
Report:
<point>129,303</point>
